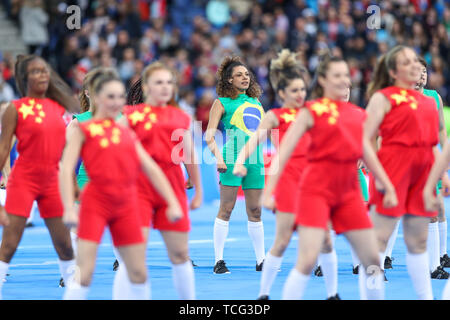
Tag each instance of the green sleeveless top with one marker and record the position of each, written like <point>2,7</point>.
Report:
<point>241,119</point>
<point>432,94</point>
<point>82,177</point>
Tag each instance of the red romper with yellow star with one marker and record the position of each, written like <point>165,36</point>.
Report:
<point>329,186</point>
<point>285,198</point>
<point>40,133</point>
<point>161,130</point>
<point>110,197</point>
<point>409,131</point>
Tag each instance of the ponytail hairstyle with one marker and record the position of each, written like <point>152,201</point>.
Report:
<point>135,94</point>
<point>99,79</point>
<point>87,81</point>
<point>284,69</point>
<point>325,59</point>
<point>381,78</point>
<point>138,95</point>
<point>224,73</point>
<point>57,89</point>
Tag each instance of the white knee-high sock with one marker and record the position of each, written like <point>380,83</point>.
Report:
<point>295,285</point>
<point>183,279</point>
<point>139,291</point>
<point>121,284</point>
<point>419,272</point>
<point>220,236</point>
<point>333,237</point>
<point>3,271</point>
<point>67,269</point>
<point>446,292</point>
<point>328,263</point>
<point>443,238</point>
<point>269,273</point>
<point>75,291</point>
<point>355,258</point>
<point>74,240</point>
<point>391,242</point>
<point>256,233</point>
<point>433,246</point>
<point>371,287</point>
<point>362,282</point>
<point>117,255</point>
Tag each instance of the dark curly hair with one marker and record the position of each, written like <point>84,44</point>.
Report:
<point>225,88</point>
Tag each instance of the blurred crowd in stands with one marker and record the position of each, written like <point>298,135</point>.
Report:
<point>193,36</point>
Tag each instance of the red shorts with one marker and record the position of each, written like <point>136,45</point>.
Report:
<point>331,192</point>
<point>29,182</point>
<point>286,191</point>
<point>408,169</point>
<point>113,206</point>
<point>152,206</point>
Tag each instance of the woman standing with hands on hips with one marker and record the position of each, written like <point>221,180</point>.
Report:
<point>240,111</point>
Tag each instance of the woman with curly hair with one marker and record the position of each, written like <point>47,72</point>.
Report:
<point>240,112</point>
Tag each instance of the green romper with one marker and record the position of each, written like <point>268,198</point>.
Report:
<point>240,119</point>
<point>82,177</point>
<point>363,184</point>
<point>433,94</point>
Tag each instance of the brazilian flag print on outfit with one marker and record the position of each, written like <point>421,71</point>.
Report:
<point>363,184</point>
<point>241,119</point>
<point>433,94</point>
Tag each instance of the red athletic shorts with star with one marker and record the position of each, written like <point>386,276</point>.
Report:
<point>330,191</point>
<point>30,181</point>
<point>114,206</point>
<point>152,206</point>
<point>408,168</point>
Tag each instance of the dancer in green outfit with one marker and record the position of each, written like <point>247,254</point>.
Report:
<point>240,112</point>
<point>437,229</point>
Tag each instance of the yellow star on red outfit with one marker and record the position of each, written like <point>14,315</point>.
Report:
<point>96,130</point>
<point>136,117</point>
<point>320,108</point>
<point>26,110</point>
<point>288,117</point>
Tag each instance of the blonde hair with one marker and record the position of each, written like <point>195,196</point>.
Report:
<point>155,66</point>
<point>284,69</point>
<point>325,59</point>
<point>88,82</point>
<point>381,78</point>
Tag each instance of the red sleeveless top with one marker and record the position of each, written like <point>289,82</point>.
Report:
<point>40,130</point>
<point>413,120</point>
<point>109,153</point>
<point>160,130</point>
<point>337,134</point>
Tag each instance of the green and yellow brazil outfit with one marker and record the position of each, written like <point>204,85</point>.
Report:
<point>363,184</point>
<point>241,119</point>
<point>82,177</point>
<point>433,94</point>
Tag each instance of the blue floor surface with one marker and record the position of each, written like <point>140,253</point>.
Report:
<point>35,273</point>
